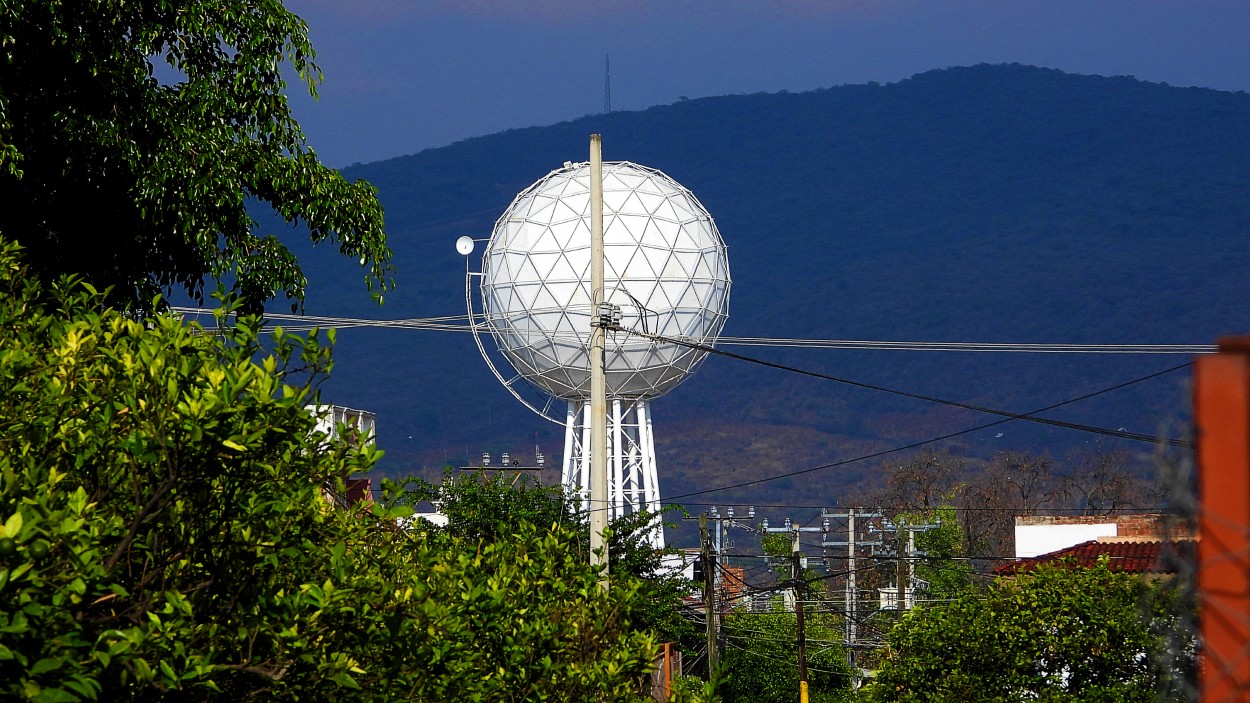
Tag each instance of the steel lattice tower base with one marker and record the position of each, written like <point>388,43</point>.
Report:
<point>632,482</point>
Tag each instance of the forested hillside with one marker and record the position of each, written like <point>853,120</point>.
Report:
<point>989,203</point>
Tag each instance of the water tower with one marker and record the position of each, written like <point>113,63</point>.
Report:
<point>666,273</point>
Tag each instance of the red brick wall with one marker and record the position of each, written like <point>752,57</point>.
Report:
<point>1152,525</point>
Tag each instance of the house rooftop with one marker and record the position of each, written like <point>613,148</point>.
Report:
<point>1129,556</point>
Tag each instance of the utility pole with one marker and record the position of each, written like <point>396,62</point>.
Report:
<point>911,562</point>
<point>709,594</point>
<point>905,536</point>
<point>717,544</point>
<point>796,577</point>
<point>901,535</point>
<point>718,547</point>
<point>598,381</point>
<point>796,571</point>
<point>852,543</point>
<point>852,593</point>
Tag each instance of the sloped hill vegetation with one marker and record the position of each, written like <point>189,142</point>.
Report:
<point>988,203</point>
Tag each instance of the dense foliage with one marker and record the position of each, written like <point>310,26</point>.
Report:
<point>761,664</point>
<point>490,507</point>
<point>167,537</point>
<point>1059,634</point>
<point>134,137</point>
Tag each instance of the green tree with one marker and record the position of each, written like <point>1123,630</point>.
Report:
<point>761,665</point>
<point>142,181</point>
<point>942,563</point>
<point>488,509</point>
<point>759,659</point>
<point>165,535</point>
<point>1058,634</point>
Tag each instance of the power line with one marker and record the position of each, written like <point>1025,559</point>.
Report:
<point>940,438</point>
<point>729,641</point>
<point>452,323</point>
<point>446,323</point>
<point>1028,417</point>
<point>1046,511</point>
<point>460,323</point>
<point>1018,347</point>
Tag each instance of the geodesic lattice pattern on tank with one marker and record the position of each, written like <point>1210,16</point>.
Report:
<point>665,266</point>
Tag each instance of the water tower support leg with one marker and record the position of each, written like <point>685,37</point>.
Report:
<point>650,478</point>
<point>583,457</point>
<point>634,484</point>
<point>616,451</point>
<point>568,474</point>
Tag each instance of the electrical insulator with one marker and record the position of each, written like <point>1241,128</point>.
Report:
<point>485,459</point>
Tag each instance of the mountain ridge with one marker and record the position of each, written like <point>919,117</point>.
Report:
<point>986,203</point>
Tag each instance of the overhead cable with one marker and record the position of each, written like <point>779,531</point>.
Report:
<point>1028,417</point>
<point>460,323</point>
<point>939,438</point>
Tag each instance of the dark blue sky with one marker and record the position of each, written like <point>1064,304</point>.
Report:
<point>406,75</point>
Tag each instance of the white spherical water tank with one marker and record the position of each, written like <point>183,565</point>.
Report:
<point>665,267</point>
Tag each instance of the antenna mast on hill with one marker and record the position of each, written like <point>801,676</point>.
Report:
<point>607,85</point>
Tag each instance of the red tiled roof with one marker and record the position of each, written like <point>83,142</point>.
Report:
<point>1129,557</point>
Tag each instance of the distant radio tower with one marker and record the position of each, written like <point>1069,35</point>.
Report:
<point>607,85</point>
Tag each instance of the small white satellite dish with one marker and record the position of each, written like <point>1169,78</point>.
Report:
<point>464,245</point>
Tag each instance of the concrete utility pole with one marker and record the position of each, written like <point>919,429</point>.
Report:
<point>852,593</point>
<point>901,535</point>
<point>852,544</point>
<point>911,563</point>
<point>905,535</point>
<point>598,381</point>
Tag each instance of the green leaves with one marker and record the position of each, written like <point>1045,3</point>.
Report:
<point>163,491</point>
<point>155,179</point>
<point>1071,634</point>
<point>491,508</point>
<point>762,665</point>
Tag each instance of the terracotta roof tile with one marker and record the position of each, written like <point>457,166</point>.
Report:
<point>1129,557</point>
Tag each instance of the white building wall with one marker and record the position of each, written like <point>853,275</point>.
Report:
<point>330,417</point>
<point>1035,540</point>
